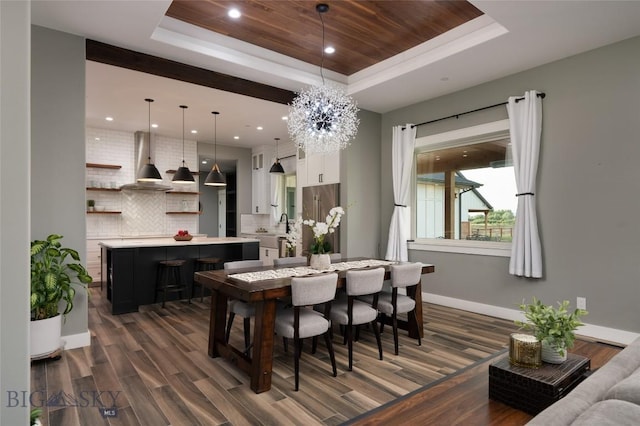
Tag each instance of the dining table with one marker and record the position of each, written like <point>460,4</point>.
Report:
<point>263,287</point>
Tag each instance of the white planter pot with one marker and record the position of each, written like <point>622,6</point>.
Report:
<point>321,262</point>
<point>551,355</point>
<point>45,336</point>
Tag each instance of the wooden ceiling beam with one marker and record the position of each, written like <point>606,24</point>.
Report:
<point>125,58</point>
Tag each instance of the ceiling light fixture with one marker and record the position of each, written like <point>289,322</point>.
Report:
<point>322,118</point>
<point>277,167</point>
<point>234,13</point>
<point>183,174</point>
<point>149,172</point>
<point>215,177</point>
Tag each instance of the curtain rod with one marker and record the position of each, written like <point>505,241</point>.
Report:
<point>540,95</point>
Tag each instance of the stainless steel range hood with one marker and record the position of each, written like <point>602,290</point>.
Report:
<point>142,143</point>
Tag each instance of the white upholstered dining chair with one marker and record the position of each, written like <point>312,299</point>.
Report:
<point>302,321</point>
<point>346,310</point>
<point>238,307</point>
<point>391,303</point>
<point>290,261</point>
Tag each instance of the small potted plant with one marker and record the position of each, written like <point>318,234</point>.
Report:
<point>35,417</point>
<point>320,248</point>
<point>91,205</point>
<point>554,327</point>
<point>53,280</point>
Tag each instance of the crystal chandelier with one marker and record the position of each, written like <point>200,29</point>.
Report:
<point>323,118</point>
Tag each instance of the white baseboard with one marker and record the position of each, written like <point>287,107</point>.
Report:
<point>79,340</point>
<point>597,332</point>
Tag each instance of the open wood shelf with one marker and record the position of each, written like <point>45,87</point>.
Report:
<point>89,188</point>
<point>184,192</point>
<point>104,212</point>
<point>104,166</point>
<point>184,212</point>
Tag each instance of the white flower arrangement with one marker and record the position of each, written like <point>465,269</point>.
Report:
<point>320,229</point>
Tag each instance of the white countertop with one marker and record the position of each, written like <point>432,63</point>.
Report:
<point>170,242</point>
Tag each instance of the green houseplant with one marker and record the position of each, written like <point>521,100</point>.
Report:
<point>554,327</point>
<point>56,271</point>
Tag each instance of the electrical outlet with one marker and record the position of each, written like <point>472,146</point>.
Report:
<point>581,302</point>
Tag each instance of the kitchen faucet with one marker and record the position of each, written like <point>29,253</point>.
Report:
<point>286,218</point>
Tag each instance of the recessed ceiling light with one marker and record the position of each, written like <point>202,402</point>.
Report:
<point>259,127</point>
<point>329,50</point>
<point>234,13</point>
<point>97,139</point>
<point>285,117</point>
<point>109,118</point>
<point>154,125</point>
<point>194,131</point>
<point>236,137</point>
<point>204,161</point>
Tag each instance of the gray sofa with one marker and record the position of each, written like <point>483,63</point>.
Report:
<point>610,396</point>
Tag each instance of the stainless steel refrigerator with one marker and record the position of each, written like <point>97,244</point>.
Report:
<point>316,203</point>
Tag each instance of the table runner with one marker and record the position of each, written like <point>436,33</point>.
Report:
<point>300,271</point>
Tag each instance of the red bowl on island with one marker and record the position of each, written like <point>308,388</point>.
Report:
<point>183,235</point>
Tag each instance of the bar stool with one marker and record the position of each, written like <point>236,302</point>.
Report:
<point>169,278</point>
<point>203,264</point>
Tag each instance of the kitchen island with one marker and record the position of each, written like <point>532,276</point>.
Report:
<point>130,266</point>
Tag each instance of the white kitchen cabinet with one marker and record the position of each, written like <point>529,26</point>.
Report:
<point>320,169</point>
<point>260,180</point>
<point>93,263</point>
<point>267,254</point>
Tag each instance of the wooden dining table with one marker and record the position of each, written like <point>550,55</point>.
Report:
<point>264,294</point>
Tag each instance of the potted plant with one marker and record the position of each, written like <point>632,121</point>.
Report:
<point>90,205</point>
<point>35,417</point>
<point>320,248</point>
<point>554,327</point>
<point>53,280</point>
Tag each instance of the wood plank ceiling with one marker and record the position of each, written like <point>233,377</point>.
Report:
<point>362,32</point>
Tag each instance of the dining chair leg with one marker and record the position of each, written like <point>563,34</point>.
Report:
<point>285,344</point>
<point>296,361</point>
<point>314,344</point>
<point>229,323</point>
<point>378,340</point>
<point>247,332</point>
<point>394,319</point>
<point>415,314</point>
<point>383,319</point>
<point>349,336</point>
<point>332,355</point>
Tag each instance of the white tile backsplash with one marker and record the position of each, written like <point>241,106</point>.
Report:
<point>143,212</point>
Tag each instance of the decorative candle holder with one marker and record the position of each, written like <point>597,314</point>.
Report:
<point>525,351</point>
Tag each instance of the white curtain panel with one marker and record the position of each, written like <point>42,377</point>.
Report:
<point>276,198</point>
<point>525,123</point>
<point>403,145</point>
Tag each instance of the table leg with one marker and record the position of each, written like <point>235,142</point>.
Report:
<point>414,328</point>
<point>263,335</point>
<point>217,321</point>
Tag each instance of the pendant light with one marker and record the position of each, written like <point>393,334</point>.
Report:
<point>277,167</point>
<point>149,172</point>
<point>215,177</point>
<point>324,118</point>
<point>183,174</point>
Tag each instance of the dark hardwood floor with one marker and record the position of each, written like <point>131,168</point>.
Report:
<point>152,367</point>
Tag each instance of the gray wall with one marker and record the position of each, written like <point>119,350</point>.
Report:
<point>360,196</point>
<point>242,156</point>
<point>58,148</point>
<point>208,220</point>
<point>588,186</point>
<point>14,209</point>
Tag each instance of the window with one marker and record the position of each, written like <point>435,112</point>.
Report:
<point>464,194</point>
